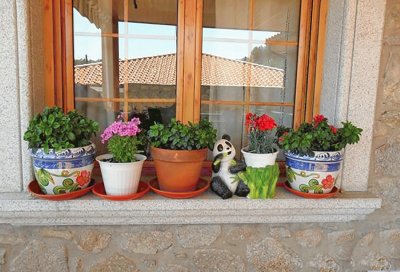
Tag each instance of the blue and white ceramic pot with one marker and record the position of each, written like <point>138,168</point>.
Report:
<point>63,171</point>
<point>317,174</point>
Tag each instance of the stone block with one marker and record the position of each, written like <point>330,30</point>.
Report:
<point>40,256</point>
<point>193,236</point>
<point>210,260</point>
<point>147,242</point>
<point>116,262</point>
<point>92,240</point>
<point>271,255</point>
<point>309,238</point>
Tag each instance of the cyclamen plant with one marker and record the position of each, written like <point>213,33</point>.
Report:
<point>262,133</point>
<point>319,135</point>
<point>122,139</point>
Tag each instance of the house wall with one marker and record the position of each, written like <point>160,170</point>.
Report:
<point>373,243</point>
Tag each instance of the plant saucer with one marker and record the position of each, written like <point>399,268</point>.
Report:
<point>202,186</point>
<point>310,195</point>
<point>34,189</point>
<point>100,191</point>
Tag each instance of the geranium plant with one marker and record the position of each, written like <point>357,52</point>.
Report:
<point>262,133</point>
<point>122,139</point>
<point>319,135</point>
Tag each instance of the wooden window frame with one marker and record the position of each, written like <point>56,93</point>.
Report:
<point>59,70</point>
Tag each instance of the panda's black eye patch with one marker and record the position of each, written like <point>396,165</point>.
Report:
<point>228,143</point>
<point>220,147</point>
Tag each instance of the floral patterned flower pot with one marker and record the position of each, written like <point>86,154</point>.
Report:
<point>121,178</point>
<point>317,174</point>
<point>63,171</point>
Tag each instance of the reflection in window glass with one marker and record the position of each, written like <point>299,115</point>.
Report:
<point>249,62</point>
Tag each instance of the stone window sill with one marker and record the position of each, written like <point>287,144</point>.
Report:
<point>23,209</point>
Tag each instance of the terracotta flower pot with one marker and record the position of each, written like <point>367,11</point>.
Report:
<point>178,170</point>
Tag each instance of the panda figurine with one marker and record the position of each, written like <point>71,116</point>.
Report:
<point>224,181</point>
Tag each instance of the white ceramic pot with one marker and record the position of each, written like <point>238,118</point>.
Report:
<point>121,178</point>
<point>259,160</point>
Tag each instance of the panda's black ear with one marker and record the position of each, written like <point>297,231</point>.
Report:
<point>226,137</point>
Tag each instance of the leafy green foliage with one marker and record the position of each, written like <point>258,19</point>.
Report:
<point>318,136</point>
<point>123,148</point>
<point>261,181</point>
<point>178,136</point>
<point>52,129</point>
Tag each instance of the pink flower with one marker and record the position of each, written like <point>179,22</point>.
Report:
<point>121,128</point>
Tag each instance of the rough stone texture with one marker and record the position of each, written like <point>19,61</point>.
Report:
<point>218,260</point>
<point>197,236</point>
<point>62,234</point>
<point>324,263</point>
<point>40,256</point>
<point>173,268</point>
<point>309,238</point>
<point>280,232</point>
<point>149,242</point>
<point>391,243</point>
<point>93,240</point>
<point>9,103</point>
<point>240,233</point>
<point>362,95</point>
<point>387,159</point>
<point>3,252</point>
<point>115,263</point>
<point>342,244</point>
<point>270,255</point>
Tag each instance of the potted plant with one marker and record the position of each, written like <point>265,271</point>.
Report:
<point>262,149</point>
<point>314,153</point>
<point>262,171</point>
<point>61,150</point>
<point>122,168</point>
<point>178,151</point>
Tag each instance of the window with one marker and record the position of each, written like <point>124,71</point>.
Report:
<point>193,59</point>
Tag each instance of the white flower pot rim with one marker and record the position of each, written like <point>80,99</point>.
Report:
<point>245,151</point>
<point>139,158</point>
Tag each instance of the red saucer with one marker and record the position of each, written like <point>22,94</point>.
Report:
<point>202,186</point>
<point>99,190</point>
<point>310,195</point>
<point>34,189</point>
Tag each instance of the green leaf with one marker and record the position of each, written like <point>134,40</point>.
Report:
<point>44,177</point>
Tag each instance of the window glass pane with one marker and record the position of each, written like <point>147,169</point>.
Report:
<point>125,58</point>
<point>249,62</point>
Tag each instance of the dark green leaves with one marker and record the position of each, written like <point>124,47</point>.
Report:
<point>319,137</point>
<point>123,148</point>
<point>52,129</point>
<point>178,136</point>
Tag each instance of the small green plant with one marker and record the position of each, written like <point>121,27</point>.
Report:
<point>179,136</point>
<point>318,136</point>
<point>261,181</point>
<point>123,139</point>
<point>52,129</point>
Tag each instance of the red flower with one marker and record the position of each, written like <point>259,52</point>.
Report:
<point>250,119</point>
<point>83,178</point>
<point>282,138</point>
<point>328,182</point>
<point>264,122</point>
<point>333,129</point>
<point>318,119</point>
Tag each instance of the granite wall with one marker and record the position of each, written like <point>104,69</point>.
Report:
<point>355,246</point>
